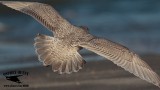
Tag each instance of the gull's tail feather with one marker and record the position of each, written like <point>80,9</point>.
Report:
<point>63,60</point>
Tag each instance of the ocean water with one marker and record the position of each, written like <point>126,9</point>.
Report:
<point>134,24</point>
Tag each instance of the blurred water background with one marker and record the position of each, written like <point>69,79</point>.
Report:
<point>133,23</point>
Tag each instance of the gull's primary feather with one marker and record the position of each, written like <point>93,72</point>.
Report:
<point>123,57</point>
<point>44,13</point>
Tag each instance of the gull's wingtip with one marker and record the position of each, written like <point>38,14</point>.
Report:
<point>17,5</point>
<point>3,2</point>
<point>8,4</point>
<point>158,85</point>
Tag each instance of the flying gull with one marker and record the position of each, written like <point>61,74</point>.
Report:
<point>61,51</point>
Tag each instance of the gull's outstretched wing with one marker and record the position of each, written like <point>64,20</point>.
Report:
<point>121,56</point>
<point>44,13</point>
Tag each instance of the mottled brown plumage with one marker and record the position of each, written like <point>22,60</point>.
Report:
<point>61,51</point>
